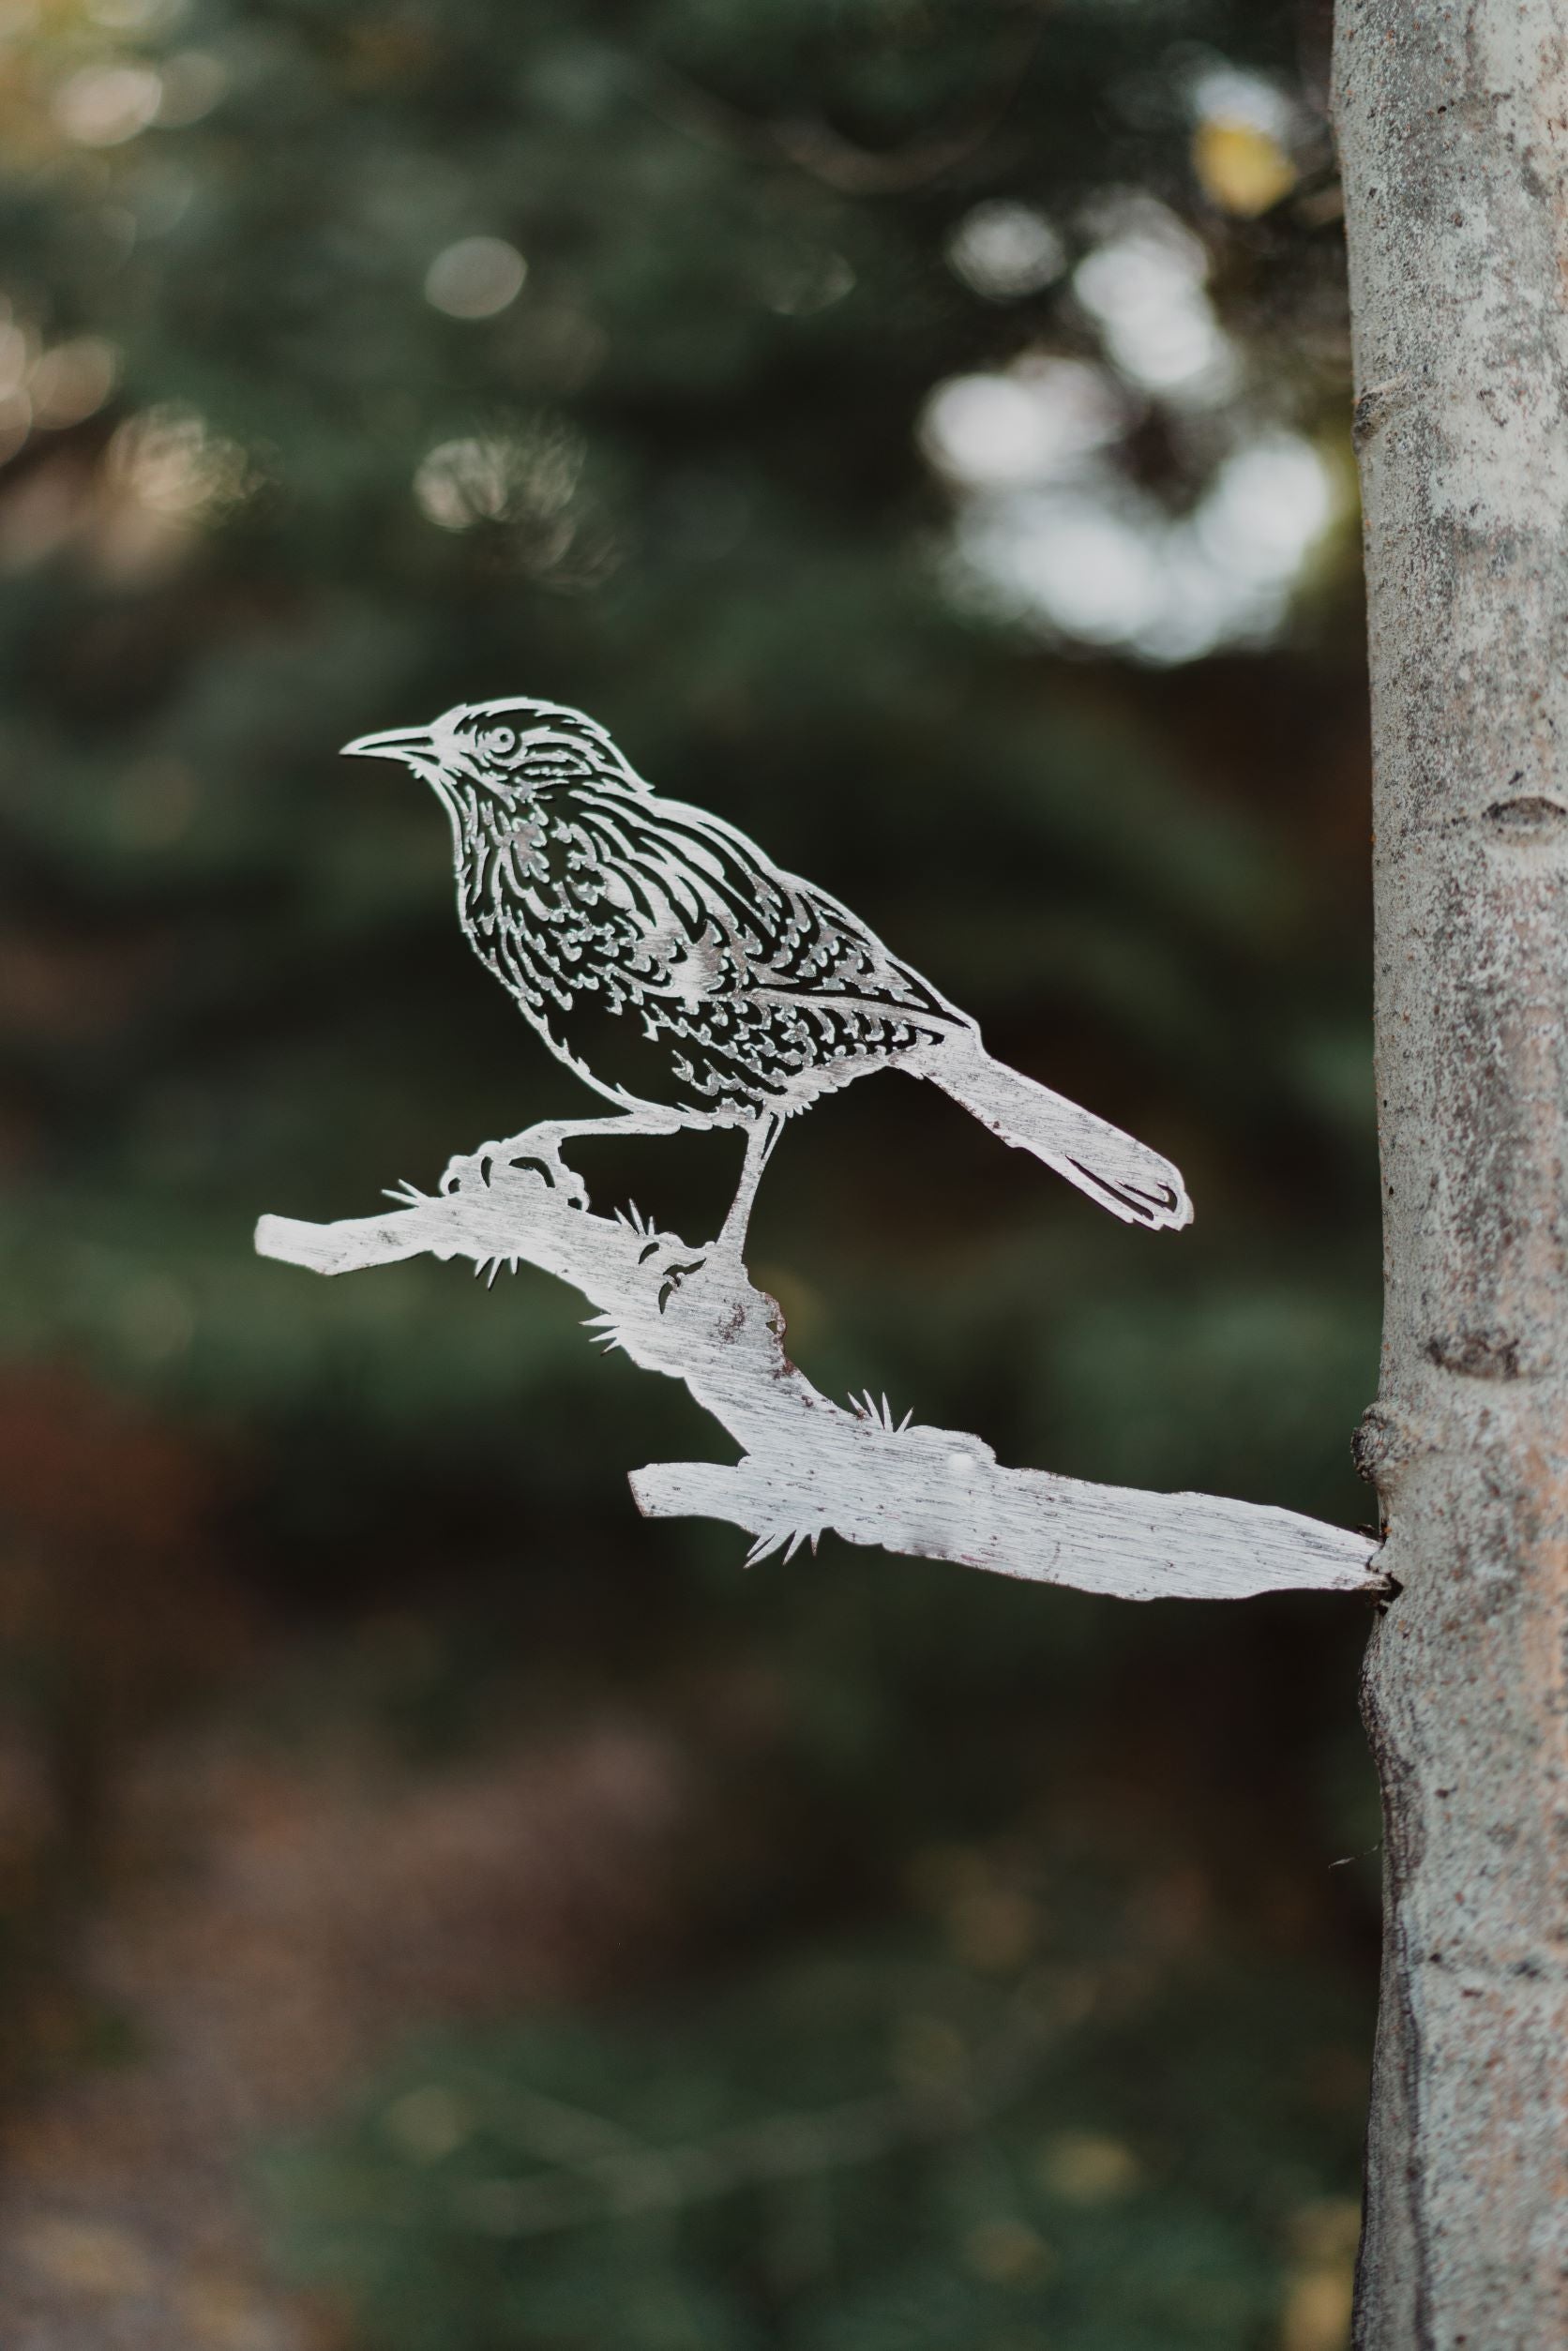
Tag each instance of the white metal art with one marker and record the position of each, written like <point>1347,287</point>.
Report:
<point>693,983</point>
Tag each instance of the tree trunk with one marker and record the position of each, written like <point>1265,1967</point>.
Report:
<point>1452,124</point>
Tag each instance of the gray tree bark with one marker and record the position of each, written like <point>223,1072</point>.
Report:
<point>1453,125</point>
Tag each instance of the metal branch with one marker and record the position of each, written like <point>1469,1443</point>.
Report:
<point>809,1465</point>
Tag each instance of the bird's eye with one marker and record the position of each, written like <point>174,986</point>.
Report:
<point>500,742</point>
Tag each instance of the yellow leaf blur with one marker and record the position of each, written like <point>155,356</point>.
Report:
<point>1240,168</point>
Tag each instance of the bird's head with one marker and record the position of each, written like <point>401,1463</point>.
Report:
<point>502,751</point>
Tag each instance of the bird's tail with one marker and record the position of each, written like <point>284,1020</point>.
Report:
<point>1114,1170</point>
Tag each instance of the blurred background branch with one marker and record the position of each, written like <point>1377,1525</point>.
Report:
<point>815,147</point>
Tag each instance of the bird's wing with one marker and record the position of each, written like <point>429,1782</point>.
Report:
<point>759,930</point>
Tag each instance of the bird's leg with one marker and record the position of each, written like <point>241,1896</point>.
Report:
<point>540,1147</point>
<point>760,1141</point>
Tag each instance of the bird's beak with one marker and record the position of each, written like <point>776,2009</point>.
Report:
<point>409,743</point>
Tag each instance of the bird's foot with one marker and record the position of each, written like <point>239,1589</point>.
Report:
<point>479,1169</point>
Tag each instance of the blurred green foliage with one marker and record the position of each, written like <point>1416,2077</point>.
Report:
<point>862,2152</point>
<point>272,478</point>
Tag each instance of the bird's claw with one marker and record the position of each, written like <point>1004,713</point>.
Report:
<point>562,1179</point>
<point>479,1170</point>
<point>468,1170</point>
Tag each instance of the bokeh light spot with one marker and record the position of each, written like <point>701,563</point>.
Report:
<point>104,105</point>
<point>1022,425</point>
<point>16,354</point>
<point>1006,251</point>
<point>428,2123</point>
<point>475,277</point>
<point>136,16</point>
<point>168,460</point>
<point>73,380</point>
<point>1143,284</point>
<point>1084,2167</point>
<point>498,477</point>
<point>16,418</point>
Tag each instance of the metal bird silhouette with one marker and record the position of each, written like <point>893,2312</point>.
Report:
<point>690,981</point>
